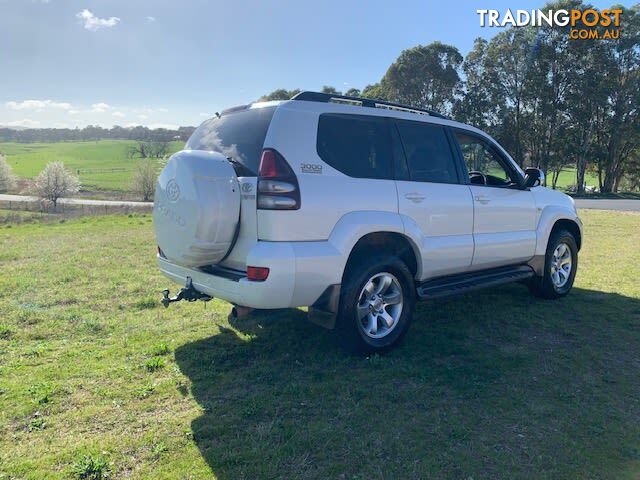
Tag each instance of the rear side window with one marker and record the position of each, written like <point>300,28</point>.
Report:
<point>356,145</point>
<point>237,135</point>
<point>428,152</point>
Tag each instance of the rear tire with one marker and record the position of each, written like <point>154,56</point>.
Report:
<point>560,267</point>
<point>376,305</point>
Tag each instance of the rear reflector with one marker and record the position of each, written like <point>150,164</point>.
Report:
<point>257,274</point>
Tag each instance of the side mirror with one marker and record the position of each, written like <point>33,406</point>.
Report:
<point>533,177</point>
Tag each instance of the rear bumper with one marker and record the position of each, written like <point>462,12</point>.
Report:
<point>294,277</point>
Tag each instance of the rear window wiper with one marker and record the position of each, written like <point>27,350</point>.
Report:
<point>240,168</point>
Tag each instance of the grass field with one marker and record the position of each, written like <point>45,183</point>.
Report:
<point>102,165</point>
<point>97,379</point>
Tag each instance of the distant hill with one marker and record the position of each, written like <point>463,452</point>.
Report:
<point>14,127</point>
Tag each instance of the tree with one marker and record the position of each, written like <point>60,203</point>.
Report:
<point>144,179</point>
<point>157,149</point>
<point>352,92</point>
<point>376,91</point>
<point>620,136</point>
<point>330,89</point>
<point>507,65</point>
<point>55,182</point>
<point>475,106</point>
<point>426,77</point>
<point>279,94</point>
<point>7,180</point>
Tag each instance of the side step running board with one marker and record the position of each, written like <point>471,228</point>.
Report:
<point>466,282</point>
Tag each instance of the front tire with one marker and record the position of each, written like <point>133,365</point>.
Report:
<point>376,305</point>
<point>560,267</point>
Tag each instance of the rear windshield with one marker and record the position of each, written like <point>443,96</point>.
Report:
<point>238,135</point>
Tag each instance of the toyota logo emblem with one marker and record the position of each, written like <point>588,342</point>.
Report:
<point>173,190</point>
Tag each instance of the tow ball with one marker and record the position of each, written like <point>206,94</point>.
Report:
<point>187,293</point>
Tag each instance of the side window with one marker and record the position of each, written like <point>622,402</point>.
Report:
<point>428,152</point>
<point>483,163</point>
<point>356,145</point>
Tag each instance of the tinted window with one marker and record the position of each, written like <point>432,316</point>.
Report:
<point>483,163</point>
<point>239,135</point>
<point>356,145</point>
<point>428,153</point>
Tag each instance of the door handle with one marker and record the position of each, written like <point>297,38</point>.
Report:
<point>415,197</point>
<point>481,199</point>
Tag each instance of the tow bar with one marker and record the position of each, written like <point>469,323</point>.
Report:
<point>187,293</point>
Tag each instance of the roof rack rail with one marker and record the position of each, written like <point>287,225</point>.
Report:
<point>363,102</point>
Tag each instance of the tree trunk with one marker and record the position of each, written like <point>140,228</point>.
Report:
<point>581,163</point>
<point>554,177</point>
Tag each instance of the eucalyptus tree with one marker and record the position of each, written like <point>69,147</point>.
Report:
<point>425,76</point>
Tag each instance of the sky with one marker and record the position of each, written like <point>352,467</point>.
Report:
<point>159,63</point>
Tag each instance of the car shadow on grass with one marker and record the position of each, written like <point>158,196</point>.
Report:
<point>489,385</point>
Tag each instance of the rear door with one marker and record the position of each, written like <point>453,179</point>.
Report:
<point>505,215</point>
<point>432,196</point>
<point>239,135</point>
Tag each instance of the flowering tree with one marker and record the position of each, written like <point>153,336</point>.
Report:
<point>55,182</point>
<point>7,180</point>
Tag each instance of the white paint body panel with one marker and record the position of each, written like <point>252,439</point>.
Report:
<point>504,226</point>
<point>441,216</point>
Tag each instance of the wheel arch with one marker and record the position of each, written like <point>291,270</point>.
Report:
<point>552,219</point>
<point>355,230</point>
<point>569,225</point>
<point>394,243</point>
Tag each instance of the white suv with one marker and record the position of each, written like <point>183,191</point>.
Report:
<point>355,208</point>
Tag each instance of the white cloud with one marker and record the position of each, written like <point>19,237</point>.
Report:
<point>118,114</point>
<point>38,105</point>
<point>205,114</point>
<point>99,107</point>
<point>93,23</point>
<point>26,122</point>
<point>73,112</point>
<point>143,117</point>
<point>149,110</point>
<point>150,19</point>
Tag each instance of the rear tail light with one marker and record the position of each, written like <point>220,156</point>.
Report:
<point>257,274</point>
<point>278,187</point>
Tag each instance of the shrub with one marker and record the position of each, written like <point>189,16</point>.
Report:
<point>55,182</point>
<point>144,180</point>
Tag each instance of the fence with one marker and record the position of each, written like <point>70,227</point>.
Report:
<point>73,210</point>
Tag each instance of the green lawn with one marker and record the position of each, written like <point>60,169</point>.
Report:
<point>568,177</point>
<point>96,377</point>
<point>102,165</point>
